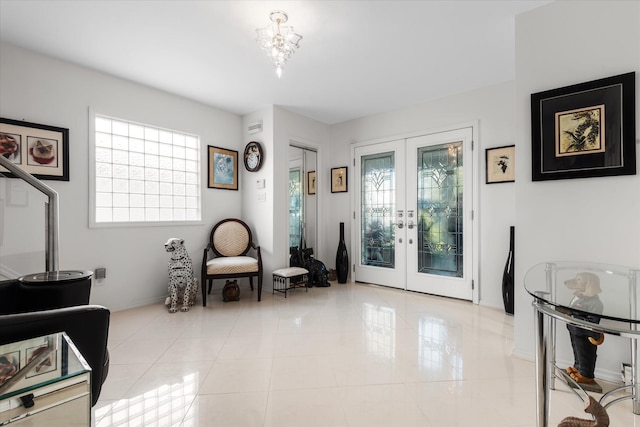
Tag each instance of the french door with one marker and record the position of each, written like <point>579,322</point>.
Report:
<point>381,253</point>
<point>413,217</point>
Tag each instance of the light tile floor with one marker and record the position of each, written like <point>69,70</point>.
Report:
<point>345,356</point>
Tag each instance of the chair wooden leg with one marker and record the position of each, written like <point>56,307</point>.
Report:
<point>203,285</point>
<point>251,283</point>
<point>210,285</point>
<point>260,287</point>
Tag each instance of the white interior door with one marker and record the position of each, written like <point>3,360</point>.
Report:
<point>413,220</point>
<point>380,256</point>
<point>439,207</point>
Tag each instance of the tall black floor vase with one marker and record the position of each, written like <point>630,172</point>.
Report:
<point>508,275</point>
<point>342,258</point>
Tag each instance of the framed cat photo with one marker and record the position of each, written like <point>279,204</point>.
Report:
<point>41,150</point>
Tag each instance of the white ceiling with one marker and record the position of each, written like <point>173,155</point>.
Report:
<point>356,58</point>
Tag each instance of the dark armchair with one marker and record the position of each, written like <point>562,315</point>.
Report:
<point>230,241</point>
<point>86,325</point>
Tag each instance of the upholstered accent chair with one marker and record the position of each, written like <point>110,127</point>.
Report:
<point>230,242</point>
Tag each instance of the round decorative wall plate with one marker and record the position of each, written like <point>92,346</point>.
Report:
<point>253,156</point>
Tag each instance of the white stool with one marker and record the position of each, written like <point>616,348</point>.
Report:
<point>282,279</point>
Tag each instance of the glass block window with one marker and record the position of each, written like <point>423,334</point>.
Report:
<point>144,174</point>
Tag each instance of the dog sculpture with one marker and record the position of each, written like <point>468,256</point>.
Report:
<point>591,407</point>
<point>183,285</point>
<point>318,274</point>
<point>586,287</point>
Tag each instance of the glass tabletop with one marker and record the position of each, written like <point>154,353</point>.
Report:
<point>608,291</point>
<point>30,364</point>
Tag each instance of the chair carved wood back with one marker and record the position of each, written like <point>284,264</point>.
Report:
<point>231,241</point>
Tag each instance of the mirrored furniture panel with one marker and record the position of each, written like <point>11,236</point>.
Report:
<point>44,381</point>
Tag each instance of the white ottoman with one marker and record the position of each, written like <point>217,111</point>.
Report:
<point>282,279</point>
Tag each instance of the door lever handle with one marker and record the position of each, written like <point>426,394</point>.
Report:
<point>399,224</point>
<point>410,225</point>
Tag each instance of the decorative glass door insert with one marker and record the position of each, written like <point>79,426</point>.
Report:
<point>440,209</point>
<point>377,231</point>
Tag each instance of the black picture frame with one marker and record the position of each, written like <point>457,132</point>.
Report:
<point>222,167</point>
<point>311,183</point>
<point>339,180</point>
<point>500,164</point>
<point>51,163</point>
<point>49,364</point>
<point>584,130</point>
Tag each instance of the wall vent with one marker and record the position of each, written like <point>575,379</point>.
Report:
<point>255,127</point>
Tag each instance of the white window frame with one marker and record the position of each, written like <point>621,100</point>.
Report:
<point>93,199</point>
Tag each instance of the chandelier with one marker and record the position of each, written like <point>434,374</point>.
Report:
<point>279,41</point>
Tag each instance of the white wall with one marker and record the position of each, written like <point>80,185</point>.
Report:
<point>270,218</point>
<point>492,107</point>
<point>43,90</point>
<point>551,53</point>
<point>258,214</point>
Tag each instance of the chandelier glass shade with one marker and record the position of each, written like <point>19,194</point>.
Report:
<point>278,41</point>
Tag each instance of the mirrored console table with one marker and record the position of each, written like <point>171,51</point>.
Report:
<point>44,381</point>
<point>552,285</point>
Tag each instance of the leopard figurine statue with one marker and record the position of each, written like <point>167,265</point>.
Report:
<point>183,285</point>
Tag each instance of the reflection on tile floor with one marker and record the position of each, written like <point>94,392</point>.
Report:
<point>348,355</point>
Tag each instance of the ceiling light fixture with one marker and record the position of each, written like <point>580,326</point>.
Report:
<point>279,41</point>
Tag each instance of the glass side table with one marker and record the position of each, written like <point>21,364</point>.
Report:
<point>44,381</point>
<point>553,288</point>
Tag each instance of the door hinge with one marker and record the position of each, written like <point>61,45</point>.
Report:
<point>472,215</point>
<point>354,214</point>
<point>473,285</point>
<point>472,144</point>
<point>354,268</point>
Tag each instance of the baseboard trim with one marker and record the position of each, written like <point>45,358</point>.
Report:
<point>605,374</point>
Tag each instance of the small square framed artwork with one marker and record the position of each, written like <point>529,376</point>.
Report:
<point>311,182</point>
<point>501,164</point>
<point>339,180</point>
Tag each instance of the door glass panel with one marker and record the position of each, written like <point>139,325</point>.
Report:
<point>295,207</point>
<point>440,182</point>
<point>377,197</point>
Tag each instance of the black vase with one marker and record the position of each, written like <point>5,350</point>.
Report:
<point>342,258</point>
<point>508,275</point>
